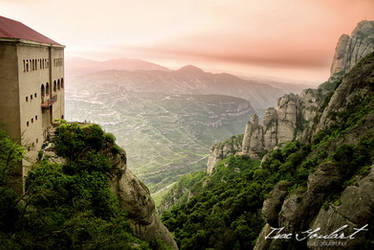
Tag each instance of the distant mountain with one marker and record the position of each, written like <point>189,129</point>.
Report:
<point>81,66</point>
<point>187,80</point>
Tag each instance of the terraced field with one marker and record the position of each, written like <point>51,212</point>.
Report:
<point>164,135</point>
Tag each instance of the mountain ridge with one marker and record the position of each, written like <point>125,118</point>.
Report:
<point>317,151</point>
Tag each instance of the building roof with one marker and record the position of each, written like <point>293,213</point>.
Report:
<point>12,29</point>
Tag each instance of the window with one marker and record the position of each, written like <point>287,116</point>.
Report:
<point>62,117</point>
<point>36,118</point>
<point>58,84</point>
<point>27,65</point>
<point>33,144</point>
<point>35,95</point>
<point>30,97</point>
<point>27,123</point>
<point>32,120</point>
<point>24,66</point>
<point>42,90</point>
<point>47,89</point>
<point>37,140</point>
<point>62,82</point>
<point>54,85</point>
<point>27,98</point>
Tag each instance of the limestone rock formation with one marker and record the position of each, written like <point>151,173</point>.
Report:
<point>136,199</point>
<point>355,209</point>
<point>291,119</point>
<point>272,205</point>
<point>351,90</point>
<point>332,198</point>
<point>253,141</point>
<point>270,124</point>
<point>223,150</point>
<point>350,49</point>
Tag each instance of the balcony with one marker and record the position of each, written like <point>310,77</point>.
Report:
<point>49,102</point>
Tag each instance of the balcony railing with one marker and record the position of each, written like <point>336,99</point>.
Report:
<point>49,102</point>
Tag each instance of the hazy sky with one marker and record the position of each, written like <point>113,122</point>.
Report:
<point>292,39</point>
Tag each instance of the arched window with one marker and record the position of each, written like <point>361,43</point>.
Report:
<point>42,91</point>
<point>47,88</point>
<point>58,84</point>
<point>54,85</point>
<point>27,65</point>
<point>62,82</point>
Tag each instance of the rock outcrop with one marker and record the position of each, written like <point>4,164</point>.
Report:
<point>302,116</point>
<point>222,150</point>
<point>253,140</point>
<point>291,119</point>
<point>332,198</point>
<point>350,49</point>
<point>136,199</point>
<point>355,209</point>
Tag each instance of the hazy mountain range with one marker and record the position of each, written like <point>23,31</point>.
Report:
<point>166,120</point>
<point>141,76</point>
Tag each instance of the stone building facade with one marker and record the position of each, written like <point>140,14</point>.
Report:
<point>31,88</point>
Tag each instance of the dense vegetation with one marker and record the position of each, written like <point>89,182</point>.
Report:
<point>66,206</point>
<point>225,212</point>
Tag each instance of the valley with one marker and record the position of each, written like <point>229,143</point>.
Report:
<point>164,135</point>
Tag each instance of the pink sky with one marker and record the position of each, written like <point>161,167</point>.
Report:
<point>289,39</point>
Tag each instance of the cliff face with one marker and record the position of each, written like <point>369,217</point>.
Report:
<point>336,193</point>
<point>350,49</point>
<point>136,199</point>
<point>294,116</point>
<point>291,119</point>
<point>223,150</point>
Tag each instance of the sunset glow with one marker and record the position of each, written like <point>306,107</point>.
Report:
<point>290,39</point>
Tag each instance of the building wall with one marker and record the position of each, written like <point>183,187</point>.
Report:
<point>9,98</point>
<point>57,75</point>
<point>31,78</point>
<point>24,69</point>
<point>9,104</point>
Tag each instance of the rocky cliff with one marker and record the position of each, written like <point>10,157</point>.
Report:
<point>294,116</point>
<point>350,49</point>
<point>136,199</point>
<point>223,150</point>
<point>291,119</point>
<point>337,192</point>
